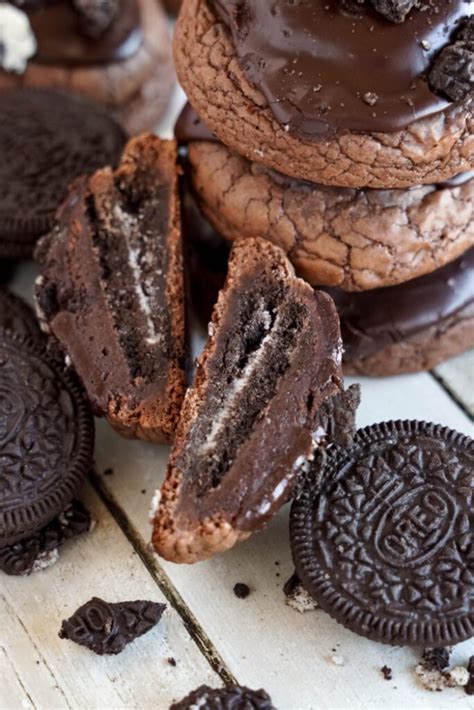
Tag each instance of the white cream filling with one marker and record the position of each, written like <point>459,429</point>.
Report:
<point>237,386</point>
<point>17,40</point>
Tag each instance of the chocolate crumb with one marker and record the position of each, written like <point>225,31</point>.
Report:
<point>386,672</point>
<point>241,590</point>
<point>172,662</point>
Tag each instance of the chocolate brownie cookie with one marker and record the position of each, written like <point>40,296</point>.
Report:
<point>111,289</point>
<point>47,138</point>
<point>383,542</point>
<point>250,420</point>
<point>46,438</point>
<point>232,697</point>
<point>116,53</point>
<point>355,239</point>
<point>410,327</point>
<point>275,84</point>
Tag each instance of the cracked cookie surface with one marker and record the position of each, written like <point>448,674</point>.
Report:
<point>353,239</point>
<point>429,150</point>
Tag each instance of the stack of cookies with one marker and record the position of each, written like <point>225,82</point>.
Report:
<point>341,130</point>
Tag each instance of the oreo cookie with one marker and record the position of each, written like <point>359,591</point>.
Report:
<point>107,628</point>
<point>16,315</point>
<point>232,697</point>
<point>385,542</point>
<point>41,550</point>
<point>47,138</point>
<point>46,438</point>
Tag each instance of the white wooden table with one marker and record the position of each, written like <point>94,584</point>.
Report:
<point>213,636</point>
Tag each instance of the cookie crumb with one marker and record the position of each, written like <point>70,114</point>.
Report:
<point>338,660</point>
<point>386,672</point>
<point>434,674</point>
<point>241,590</point>
<point>297,597</point>
<point>469,687</point>
<point>172,661</point>
<point>370,98</point>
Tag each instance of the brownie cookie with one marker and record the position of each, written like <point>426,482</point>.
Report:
<point>47,138</point>
<point>291,103</point>
<point>107,628</point>
<point>116,53</point>
<point>250,420</point>
<point>111,289</point>
<point>17,316</point>
<point>355,239</point>
<point>384,540</point>
<point>46,438</point>
<point>232,697</point>
<point>411,327</point>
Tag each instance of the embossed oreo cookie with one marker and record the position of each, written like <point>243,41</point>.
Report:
<point>232,697</point>
<point>107,628</point>
<point>47,138</point>
<point>385,541</point>
<point>46,438</point>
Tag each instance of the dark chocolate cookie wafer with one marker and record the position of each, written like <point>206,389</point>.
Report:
<point>232,697</point>
<point>41,550</point>
<point>17,316</point>
<point>46,438</point>
<point>385,543</point>
<point>107,628</point>
<point>47,138</point>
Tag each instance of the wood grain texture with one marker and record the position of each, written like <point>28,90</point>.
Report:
<point>38,670</point>
<point>262,641</point>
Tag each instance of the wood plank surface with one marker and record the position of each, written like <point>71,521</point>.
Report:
<point>39,670</point>
<point>262,641</point>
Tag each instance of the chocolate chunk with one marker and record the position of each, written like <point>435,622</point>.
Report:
<point>111,289</point>
<point>107,628</point>
<point>241,590</point>
<point>272,359</point>
<point>452,73</point>
<point>47,138</point>
<point>233,697</point>
<point>97,15</point>
<point>386,672</point>
<point>385,543</point>
<point>395,10</point>
<point>46,438</point>
<point>41,550</point>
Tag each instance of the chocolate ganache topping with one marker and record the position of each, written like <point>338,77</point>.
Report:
<point>372,320</point>
<point>63,35</point>
<point>324,67</point>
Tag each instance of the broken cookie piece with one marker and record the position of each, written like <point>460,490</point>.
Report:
<point>107,628</point>
<point>452,73</point>
<point>250,421</point>
<point>111,289</point>
<point>41,550</point>
<point>297,597</point>
<point>394,10</point>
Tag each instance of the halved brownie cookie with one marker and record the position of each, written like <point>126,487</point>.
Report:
<point>111,289</point>
<point>254,414</point>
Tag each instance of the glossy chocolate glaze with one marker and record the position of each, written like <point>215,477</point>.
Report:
<point>315,62</point>
<point>189,127</point>
<point>61,39</point>
<point>372,320</point>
